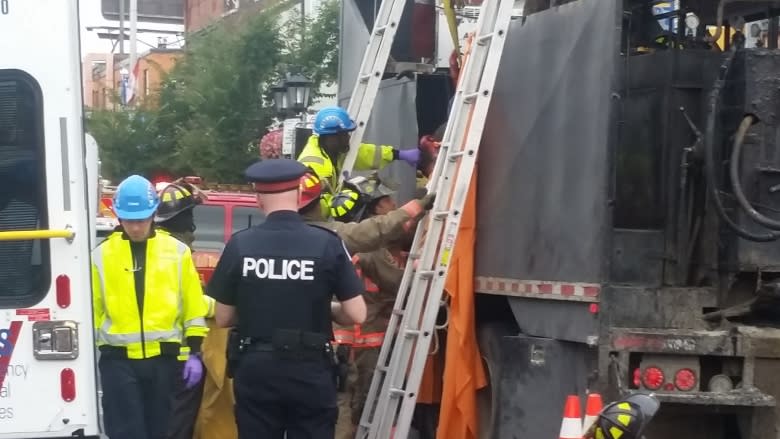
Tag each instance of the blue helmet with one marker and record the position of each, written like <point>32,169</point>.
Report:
<point>135,199</point>
<point>333,120</point>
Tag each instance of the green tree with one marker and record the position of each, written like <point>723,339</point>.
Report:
<point>212,102</point>
<point>316,53</point>
<point>127,142</point>
<point>214,106</point>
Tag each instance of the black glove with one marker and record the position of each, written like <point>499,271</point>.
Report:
<point>427,201</point>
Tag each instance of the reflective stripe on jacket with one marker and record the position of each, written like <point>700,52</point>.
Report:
<point>354,336</point>
<point>173,305</point>
<point>369,157</point>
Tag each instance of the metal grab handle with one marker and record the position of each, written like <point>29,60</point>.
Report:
<point>27,235</point>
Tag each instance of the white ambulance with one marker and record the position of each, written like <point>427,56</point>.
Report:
<point>47,360</point>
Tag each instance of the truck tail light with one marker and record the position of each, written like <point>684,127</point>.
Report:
<point>68,384</point>
<point>685,380</point>
<point>637,377</point>
<point>653,378</point>
<point>63,291</point>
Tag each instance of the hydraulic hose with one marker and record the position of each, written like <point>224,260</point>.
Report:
<point>711,175</point>
<point>736,154</point>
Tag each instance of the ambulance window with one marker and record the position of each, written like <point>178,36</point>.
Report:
<point>245,217</point>
<point>24,265</point>
<point>210,228</point>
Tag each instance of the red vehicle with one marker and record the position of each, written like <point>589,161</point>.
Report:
<point>218,218</point>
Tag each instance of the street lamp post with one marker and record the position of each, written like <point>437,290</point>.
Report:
<point>291,98</point>
<point>298,92</point>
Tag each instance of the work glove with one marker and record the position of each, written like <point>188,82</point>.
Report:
<point>427,201</point>
<point>429,142</point>
<point>411,156</point>
<point>193,371</point>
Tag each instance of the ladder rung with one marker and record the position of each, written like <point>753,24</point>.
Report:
<point>365,78</point>
<point>412,332</point>
<point>398,312</point>
<point>380,30</point>
<point>482,38</point>
<point>382,369</point>
<point>397,392</point>
<point>426,273</point>
<point>470,97</point>
<point>454,155</point>
<point>442,214</point>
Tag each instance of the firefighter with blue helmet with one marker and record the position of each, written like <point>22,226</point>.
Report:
<point>147,303</point>
<point>325,150</point>
<point>274,283</point>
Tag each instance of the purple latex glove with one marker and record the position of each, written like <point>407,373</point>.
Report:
<point>411,156</point>
<point>193,371</point>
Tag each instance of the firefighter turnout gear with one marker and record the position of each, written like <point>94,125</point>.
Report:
<point>381,274</point>
<point>359,195</point>
<point>347,206</point>
<point>175,199</point>
<point>624,419</point>
<point>311,190</point>
<point>375,232</point>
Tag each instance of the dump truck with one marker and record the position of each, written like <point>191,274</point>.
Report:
<point>627,211</point>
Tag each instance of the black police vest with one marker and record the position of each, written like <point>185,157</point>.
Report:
<point>284,282</point>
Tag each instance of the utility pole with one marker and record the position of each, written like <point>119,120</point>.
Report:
<point>121,27</point>
<point>303,20</point>
<point>133,32</point>
<point>133,47</point>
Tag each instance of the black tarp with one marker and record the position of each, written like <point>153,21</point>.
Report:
<point>543,164</point>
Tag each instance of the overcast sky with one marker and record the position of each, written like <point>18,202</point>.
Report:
<point>90,43</point>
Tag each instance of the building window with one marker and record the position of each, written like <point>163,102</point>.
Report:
<point>25,267</point>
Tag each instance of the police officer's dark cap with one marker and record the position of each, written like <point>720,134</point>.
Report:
<point>275,175</point>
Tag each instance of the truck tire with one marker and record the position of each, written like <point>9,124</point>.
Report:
<point>489,337</point>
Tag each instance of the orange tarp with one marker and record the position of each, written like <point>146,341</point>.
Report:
<point>463,371</point>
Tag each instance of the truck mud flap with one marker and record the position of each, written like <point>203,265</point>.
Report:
<point>533,367</point>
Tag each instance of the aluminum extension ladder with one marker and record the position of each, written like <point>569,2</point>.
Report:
<point>372,68</point>
<point>393,392</point>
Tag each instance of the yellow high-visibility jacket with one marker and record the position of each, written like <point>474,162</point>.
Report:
<point>369,157</point>
<point>173,307</point>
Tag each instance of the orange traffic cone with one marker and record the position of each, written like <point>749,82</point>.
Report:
<point>593,407</point>
<point>571,427</point>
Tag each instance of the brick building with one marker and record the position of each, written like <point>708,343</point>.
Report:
<point>198,14</point>
<point>102,76</point>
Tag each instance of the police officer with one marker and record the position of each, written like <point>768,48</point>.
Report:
<point>275,282</point>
